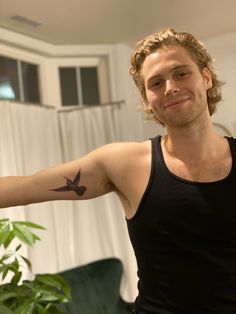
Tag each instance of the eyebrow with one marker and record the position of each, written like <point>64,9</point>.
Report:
<point>174,68</point>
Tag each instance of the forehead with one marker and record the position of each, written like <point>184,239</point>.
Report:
<point>165,59</point>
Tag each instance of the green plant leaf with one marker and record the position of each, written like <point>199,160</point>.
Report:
<point>16,278</point>
<point>56,309</point>
<point>29,284</point>
<point>26,308</point>
<point>2,268</point>
<point>65,287</point>
<point>52,295</point>
<point>6,296</point>
<point>5,257</point>
<point>27,261</point>
<point>45,293</point>
<point>40,309</point>
<point>4,233</point>
<point>18,247</point>
<point>3,220</point>
<point>50,280</point>
<point>23,234</point>
<point>5,272</point>
<point>38,294</point>
<point>5,310</point>
<point>36,237</point>
<point>14,266</point>
<point>48,297</point>
<point>9,239</point>
<point>30,224</point>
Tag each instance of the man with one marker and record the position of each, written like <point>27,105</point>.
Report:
<point>177,191</point>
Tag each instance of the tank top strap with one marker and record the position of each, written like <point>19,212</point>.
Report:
<point>156,149</point>
<point>232,142</point>
<point>158,164</point>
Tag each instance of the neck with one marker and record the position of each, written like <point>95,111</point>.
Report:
<point>192,143</point>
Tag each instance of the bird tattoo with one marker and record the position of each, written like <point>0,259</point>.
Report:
<point>72,186</point>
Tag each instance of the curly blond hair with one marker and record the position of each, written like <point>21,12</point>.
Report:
<point>169,37</point>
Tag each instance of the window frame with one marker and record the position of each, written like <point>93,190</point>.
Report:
<point>19,58</point>
<point>102,65</point>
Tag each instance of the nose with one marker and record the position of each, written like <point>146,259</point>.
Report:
<point>171,87</point>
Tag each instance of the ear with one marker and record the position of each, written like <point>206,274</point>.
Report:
<point>207,78</point>
<point>146,104</point>
<point>148,108</point>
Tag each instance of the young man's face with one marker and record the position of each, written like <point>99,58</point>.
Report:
<point>175,88</point>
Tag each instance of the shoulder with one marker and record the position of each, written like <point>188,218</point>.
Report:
<point>123,149</point>
<point>119,154</point>
<point>127,146</point>
<point>120,157</point>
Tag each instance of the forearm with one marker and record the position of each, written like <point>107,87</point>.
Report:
<point>13,191</point>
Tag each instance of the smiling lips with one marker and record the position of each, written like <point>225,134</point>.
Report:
<point>175,102</point>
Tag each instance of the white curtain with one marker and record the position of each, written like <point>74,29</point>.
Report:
<point>78,232</point>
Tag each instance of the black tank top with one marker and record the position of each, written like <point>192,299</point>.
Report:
<point>184,238</point>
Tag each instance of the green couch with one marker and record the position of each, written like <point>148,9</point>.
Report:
<point>95,288</point>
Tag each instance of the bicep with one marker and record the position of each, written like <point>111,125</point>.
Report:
<point>80,179</point>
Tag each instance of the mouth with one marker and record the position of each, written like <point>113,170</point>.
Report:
<point>176,102</point>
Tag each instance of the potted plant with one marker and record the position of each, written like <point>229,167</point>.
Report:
<point>43,294</point>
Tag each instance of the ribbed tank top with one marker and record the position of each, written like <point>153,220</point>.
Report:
<point>184,239</point>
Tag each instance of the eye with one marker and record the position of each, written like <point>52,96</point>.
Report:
<point>182,74</point>
<point>156,84</point>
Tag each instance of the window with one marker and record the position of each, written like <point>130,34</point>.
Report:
<point>19,80</point>
<point>69,92</point>
<point>9,83</point>
<point>30,81</point>
<point>84,85</point>
<point>89,86</point>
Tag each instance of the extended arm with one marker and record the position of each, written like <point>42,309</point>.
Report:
<point>120,167</point>
<point>80,179</point>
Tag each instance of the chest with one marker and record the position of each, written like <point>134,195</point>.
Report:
<point>176,209</point>
<point>207,171</point>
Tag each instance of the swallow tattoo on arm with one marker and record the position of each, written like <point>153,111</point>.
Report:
<point>72,185</point>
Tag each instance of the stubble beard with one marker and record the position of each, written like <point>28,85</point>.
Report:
<point>182,117</point>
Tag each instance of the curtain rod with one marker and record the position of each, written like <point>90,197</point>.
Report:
<point>26,103</point>
<point>82,107</point>
<point>66,109</point>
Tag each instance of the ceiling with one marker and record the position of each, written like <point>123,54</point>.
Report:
<point>112,21</point>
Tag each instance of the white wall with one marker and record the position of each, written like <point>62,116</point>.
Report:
<point>125,89</point>
<point>223,50</point>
